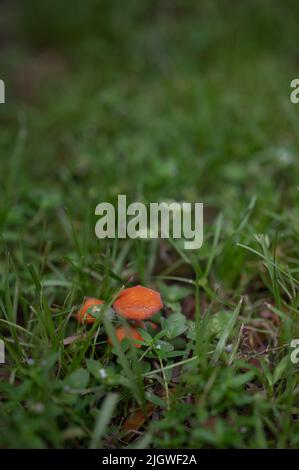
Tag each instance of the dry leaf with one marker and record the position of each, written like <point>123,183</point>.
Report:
<point>135,421</point>
<point>71,339</point>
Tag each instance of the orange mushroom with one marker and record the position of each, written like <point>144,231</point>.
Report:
<point>90,306</point>
<point>123,332</point>
<point>138,303</point>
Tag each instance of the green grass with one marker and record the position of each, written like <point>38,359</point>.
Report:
<point>165,100</point>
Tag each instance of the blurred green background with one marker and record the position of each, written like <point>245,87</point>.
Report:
<point>159,100</point>
<point>181,99</point>
<point>172,99</point>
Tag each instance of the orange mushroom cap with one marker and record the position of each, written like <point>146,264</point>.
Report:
<point>123,332</point>
<point>90,304</point>
<point>138,303</point>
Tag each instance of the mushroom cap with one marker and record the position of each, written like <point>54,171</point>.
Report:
<point>123,332</point>
<point>83,316</point>
<point>138,303</point>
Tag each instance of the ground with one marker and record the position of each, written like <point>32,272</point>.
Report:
<point>160,100</point>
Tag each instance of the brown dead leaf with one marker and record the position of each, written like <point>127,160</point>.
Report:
<point>271,317</point>
<point>253,339</point>
<point>135,421</point>
<point>71,339</point>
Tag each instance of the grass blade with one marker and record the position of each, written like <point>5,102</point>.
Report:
<point>103,419</point>
<point>226,332</point>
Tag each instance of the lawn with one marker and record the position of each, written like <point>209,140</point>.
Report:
<point>161,100</point>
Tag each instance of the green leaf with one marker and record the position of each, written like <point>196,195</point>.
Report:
<point>164,346</point>
<point>241,379</point>
<point>174,293</point>
<point>78,379</point>
<point>217,323</point>
<point>175,325</point>
<point>94,367</point>
<point>146,336</point>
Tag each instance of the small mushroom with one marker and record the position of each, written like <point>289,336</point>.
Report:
<point>138,303</point>
<point>123,332</point>
<point>90,306</point>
